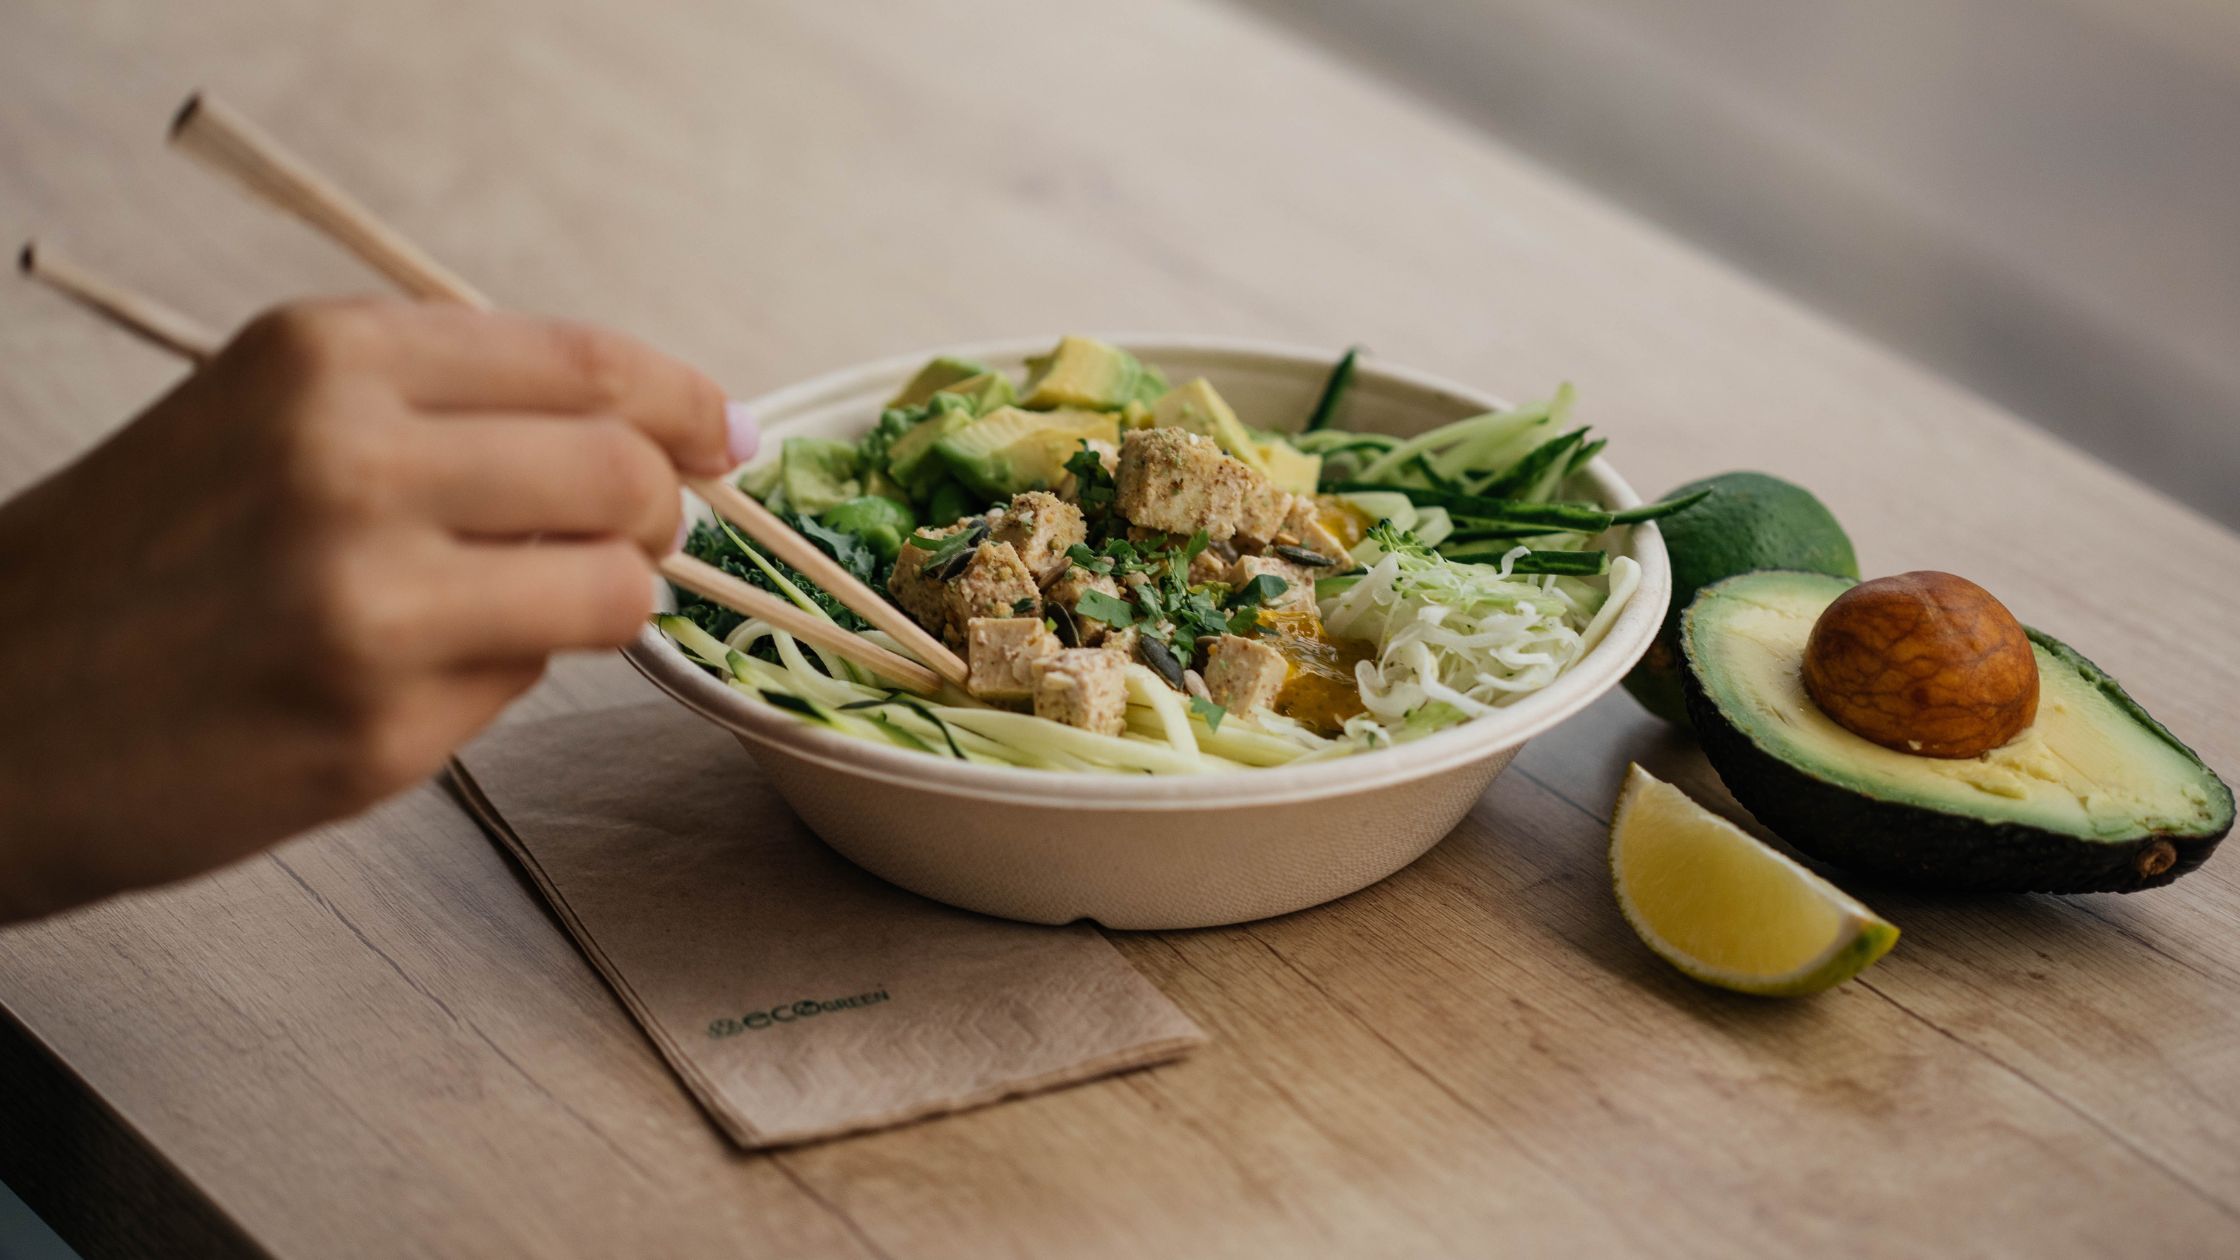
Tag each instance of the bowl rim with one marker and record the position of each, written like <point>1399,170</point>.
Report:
<point>667,667</point>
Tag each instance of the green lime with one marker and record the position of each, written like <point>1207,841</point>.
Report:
<point>1751,521</point>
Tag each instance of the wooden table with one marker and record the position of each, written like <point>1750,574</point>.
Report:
<point>375,1040</point>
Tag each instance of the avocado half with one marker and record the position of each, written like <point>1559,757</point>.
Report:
<point>2096,796</point>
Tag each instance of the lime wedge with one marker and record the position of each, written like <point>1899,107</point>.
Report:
<point>1727,909</point>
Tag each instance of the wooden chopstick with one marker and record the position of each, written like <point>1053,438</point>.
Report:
<point>136,313</point>
<point>222,138</point>
<point>226,141</point>
<point>182,336</point>
<point>783,541</point>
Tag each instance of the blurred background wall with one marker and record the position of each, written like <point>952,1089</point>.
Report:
<point>2039,198</point>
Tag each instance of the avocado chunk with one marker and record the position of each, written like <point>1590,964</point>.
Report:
<point>1195,407</point>
<point>1087,375</point>
<point>2094,796</point>
<point>1288,467</point>
<point>936,376</point>
<point>817,473</point>
<point>985,392</point>
<point>1010,451</point>
<point>910,460</point>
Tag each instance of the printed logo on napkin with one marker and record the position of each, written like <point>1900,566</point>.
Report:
<point>790,1012</point>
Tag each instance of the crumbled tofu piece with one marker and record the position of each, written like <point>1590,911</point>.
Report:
<point>1063,599</point>
<point>1261,510</point>
<point>1084,687</point>
<point>1244,674</point>
<point>1206,567</point>
<point>1174,480</point>
<point>1001,653</point>
<point>1298,589</point>
<point>926,600</point>
<point>995,583</point>
<point>1304,524</point>
<point>1040,526</point>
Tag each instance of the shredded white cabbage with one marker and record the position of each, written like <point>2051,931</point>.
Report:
<point>1458,641</point>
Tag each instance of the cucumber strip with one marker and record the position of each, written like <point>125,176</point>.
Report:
<point>1333,391</point>
<point>1474,427</point>
<point>1581,518</point>
<point>1433,526</point>
<point>1584,456</point>
<point>1660,510</point>
<point>1525,476</point>
<point>1577,518</point>
<point>696,642</point>
<point>1537,563</point>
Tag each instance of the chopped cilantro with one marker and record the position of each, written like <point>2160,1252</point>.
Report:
<point>1207,709</point>
<point>1116,613</point>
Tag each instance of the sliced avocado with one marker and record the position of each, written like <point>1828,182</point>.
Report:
<point>1084,374</point>
<point>817,473</point>
<point>1195,406</point>
<point>1288,467</point>
<point>2096,796</point>
<point>910,460</point>
<point>1012,450</point>
<point>936,376</point>
<point>985,392</point>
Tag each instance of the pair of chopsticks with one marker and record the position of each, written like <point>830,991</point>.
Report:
<point>226,141</point>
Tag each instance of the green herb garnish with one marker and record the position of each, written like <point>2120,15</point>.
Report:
<point>1207,709</point>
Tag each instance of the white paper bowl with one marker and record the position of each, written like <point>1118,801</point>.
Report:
<point>1139,851</point>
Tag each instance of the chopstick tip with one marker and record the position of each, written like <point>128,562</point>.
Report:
<point>187,111</point>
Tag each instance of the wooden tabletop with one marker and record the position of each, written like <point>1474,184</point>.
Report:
<point>376,1041</point>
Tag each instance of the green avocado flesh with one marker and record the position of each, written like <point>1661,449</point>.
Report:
<point>2095,796</point>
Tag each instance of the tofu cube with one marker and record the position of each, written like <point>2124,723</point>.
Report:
<point>1062,599</point>
<point>1083,687</point>
<point>1001,653</point>
<point>1298,588</point>
<point>1174,480</point>
<point>1304,524</point>
<point>926,600</point>
<point>1244,674</point>
<point>1040,526</point>
<point>995,583</point>
<point>1261,509</point>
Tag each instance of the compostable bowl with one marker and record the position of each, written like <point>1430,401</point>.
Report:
<point>1140,851</point>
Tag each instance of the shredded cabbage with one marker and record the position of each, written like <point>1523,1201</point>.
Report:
<point>1457,641</point>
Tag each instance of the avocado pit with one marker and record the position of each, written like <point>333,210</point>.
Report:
<point>1925,663</point>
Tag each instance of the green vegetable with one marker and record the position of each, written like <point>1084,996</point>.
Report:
<point>1116,613</point>
<point>951,501</point>
<point>1539,561</point>
<point>949,549</point>
<point>935,376</point>
<point>1207,709</point>
<point>880,522</point>
<point>1333,391</point>
<point>818,473</point>
<point>1575,518</point>
<point>1535,476</point>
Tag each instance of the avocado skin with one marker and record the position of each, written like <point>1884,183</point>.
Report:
<point>1926,847</point>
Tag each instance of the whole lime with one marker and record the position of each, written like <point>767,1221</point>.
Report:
<point>1751,521</point>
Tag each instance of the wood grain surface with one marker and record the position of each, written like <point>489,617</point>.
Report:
<point>375,1041</point>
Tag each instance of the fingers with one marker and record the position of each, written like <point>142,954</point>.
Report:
<point>515,476</point>
<point>446,358</point>
<point>516,601</point>
<point>453,359</point>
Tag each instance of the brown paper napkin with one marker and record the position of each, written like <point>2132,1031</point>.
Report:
<point>798,997</point>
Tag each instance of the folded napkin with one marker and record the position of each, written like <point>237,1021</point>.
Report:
<point>798,997</point>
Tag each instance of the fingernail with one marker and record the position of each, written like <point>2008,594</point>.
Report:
<point>684,531</point>
<point>742,435</point>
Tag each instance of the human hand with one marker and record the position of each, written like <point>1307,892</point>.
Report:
<point>294,584</point>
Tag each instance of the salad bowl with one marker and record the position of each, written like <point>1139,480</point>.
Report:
<point>1143,851</point>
